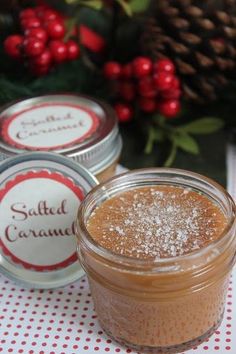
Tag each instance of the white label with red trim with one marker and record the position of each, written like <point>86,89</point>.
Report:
<point>37,213</point>
<point>49,126</point>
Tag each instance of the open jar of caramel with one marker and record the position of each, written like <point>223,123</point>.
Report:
<point>158,247</point>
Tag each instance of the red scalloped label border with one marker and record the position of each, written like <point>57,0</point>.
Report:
<point>9,140</point>
<point>56,176</point>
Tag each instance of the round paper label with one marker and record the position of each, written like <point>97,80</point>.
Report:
<point>49,126</point>
<point>37,213</point>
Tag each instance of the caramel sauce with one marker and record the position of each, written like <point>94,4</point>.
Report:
<point>156,222</point>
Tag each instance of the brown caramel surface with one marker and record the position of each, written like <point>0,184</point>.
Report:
<point>156,222</point>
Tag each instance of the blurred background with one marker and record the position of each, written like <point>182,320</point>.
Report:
<point>167,67</point>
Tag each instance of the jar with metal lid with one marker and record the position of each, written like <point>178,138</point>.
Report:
<point>153,303</point>
<point>75,126</point>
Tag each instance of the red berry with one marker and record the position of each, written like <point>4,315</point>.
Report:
<point>73,50</point>
<point>147,104</point>
<point>164,65</point>
<point>49,15</point>
<point>124,112</point>
<point>127,90</point>
<point>31,22</point>
<point>142,66</point>
<point>163,81</point>
<point>176,83</point>
<point>127,71</point>
<point>146,87</point>
<point>39,33</point>
<point>44,59</point>
<point>58,50</point>
<point>12,46</point>
<point>171,94</point>
<point>169,108</point>
<point>27,13</point>
<point>33,46</point>
<point>55,29</point>
<point>112,70</point>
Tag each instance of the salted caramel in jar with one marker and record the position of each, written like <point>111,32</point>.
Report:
<point>158,247</point>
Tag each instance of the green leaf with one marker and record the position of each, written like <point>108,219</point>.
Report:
<point>170,159</point>
<point>186,143</point>
<point>203,126</point>
<point>139,5</point>
<point>154,135</point>
<point>94,4</point>
<point>125,6</point>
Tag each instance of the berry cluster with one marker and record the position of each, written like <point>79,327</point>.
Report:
<point>153,85</point>
<point>41,43</point>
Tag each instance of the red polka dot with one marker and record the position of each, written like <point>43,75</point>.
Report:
<point>107,349</point>
<point>117,350</point>
<point>228,347</point>
<point>216,347</point>
<point>228,332</point>
<point>205,347</point>
<point>86,347</point>
<point>96,348</point>
<point>228,340</point>
<point>217,339</point>
<point>75,346</point>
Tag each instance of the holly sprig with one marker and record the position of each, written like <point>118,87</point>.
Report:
<point>180,137</point>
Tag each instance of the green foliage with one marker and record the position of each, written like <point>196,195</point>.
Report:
<point>94,4</point>
<point>179,136</point>
<point>139,5</point>
<point>125,6</point>
<point>203,126</point>
<point>186,142</point>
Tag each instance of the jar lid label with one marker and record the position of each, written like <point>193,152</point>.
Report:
<point>49,126</point>
<point>37,213</point>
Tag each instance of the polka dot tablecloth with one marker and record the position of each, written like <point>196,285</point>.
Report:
<point>63,321</point>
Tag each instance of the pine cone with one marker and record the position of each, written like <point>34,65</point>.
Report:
<point>200,36</point>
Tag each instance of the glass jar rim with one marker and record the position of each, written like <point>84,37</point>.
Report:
<point>168,262</point>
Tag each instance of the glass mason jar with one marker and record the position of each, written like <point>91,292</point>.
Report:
<point>164,305</point>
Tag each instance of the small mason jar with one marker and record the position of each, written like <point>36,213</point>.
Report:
<point>79,127</point>
<point>164,305</point>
